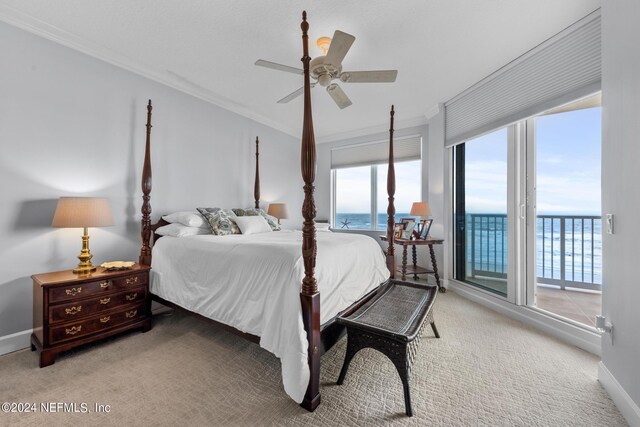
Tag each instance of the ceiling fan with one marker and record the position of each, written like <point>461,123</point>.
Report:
<point>328,67</point>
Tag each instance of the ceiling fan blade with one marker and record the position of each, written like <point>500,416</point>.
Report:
<point>338,95</point>
<point>294,95</point>
<point>340,45</point>
<point>378,76</point>
<point>279,67</point>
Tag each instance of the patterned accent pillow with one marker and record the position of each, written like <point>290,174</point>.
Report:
<point>220,220</point>
<point>245,212</point>
<point>271,220</point>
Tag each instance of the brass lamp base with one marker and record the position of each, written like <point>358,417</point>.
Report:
<point>84,269</point>
<point>85,266</point>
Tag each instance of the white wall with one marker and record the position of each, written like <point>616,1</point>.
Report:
<point>73,125</point>
<point>439,199</point>
<point>620,194</point>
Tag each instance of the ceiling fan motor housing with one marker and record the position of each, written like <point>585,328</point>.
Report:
<point>324,73</point>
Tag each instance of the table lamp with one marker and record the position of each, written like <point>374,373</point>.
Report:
<point>421,210</point>
<point>83,212</point>
<point>279,210</point>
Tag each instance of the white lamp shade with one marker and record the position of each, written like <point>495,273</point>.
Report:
<point>420,209</point>
<point>279,210</point>
<point>80,212</point>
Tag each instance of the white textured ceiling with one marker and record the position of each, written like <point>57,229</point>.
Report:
<point>208,47</point>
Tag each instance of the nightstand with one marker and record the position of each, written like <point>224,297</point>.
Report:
<point>416,269</point>
<point>71,310</point>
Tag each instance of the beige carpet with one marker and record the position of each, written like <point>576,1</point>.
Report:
<point>485,370</point>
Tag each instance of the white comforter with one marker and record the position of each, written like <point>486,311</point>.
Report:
<point>253,283</point>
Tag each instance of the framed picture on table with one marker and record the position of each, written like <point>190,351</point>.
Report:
<point>409,227</point>
<point>424,230</point>
<point>398,230</point>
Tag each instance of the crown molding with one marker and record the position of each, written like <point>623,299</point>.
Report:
<point>370,130</point>
<point>434,111</point>
<point>50,32</point>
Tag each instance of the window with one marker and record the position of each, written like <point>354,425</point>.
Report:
<point>408,190</point>
<point>360,194</point>
<point>360,197</point>
<point>353,198</point>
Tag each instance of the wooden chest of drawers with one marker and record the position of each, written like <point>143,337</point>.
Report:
<point>71,310</point>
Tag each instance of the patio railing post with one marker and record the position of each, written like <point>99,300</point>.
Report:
<point>562,253</point>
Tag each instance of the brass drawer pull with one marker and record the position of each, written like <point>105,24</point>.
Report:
<point>74,291</point>
<point>131,280</point>
<point>73,330</point>
<point>73,310</point>
<point>105,300</point>
<point>106,284</point>
<point>130,314</point>
<point>105,319</point>
<point>132,296</point>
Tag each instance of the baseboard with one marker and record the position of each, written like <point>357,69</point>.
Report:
<point>15,342</point>
<point>574,335</point>
<point>627,407</point>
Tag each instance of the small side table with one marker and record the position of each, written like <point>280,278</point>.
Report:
<point>415,269</point>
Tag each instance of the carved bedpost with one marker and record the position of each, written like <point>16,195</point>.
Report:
<point>391,209</point>
<point>145,251</point>
<point>309,295</point>
<point>256,186</point>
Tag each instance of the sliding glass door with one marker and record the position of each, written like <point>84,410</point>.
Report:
<point>481,202</point>
<point>565,240</point>
<point>527,220</point>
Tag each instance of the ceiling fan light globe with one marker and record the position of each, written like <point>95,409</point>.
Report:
<point>323,43</point>
<point>324,80</point>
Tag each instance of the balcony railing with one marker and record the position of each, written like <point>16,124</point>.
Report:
<point>569,249</point>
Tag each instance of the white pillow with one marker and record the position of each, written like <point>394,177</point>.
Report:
<point>179,230</point>
<point>188,218</point>
<point>252,224</point>
<point>322,226</point>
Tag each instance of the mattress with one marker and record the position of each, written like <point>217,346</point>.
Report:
<point>252,282</point>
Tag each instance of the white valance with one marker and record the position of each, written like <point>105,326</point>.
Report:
<point>406,148</point>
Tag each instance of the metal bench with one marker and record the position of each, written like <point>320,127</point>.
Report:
<point>391,322</point>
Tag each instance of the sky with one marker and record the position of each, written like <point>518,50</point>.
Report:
<point>353,188</point>
<point>568,158</point>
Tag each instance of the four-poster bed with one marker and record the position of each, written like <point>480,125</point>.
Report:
<point>321,334</point>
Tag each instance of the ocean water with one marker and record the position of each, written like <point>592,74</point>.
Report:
<point>487,245</point>
<point>581,259</point>
<point>363,221</point>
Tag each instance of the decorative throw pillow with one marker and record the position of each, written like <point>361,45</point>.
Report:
<point>245,212</point>
<point>322,226</point>
<point>253,224</point>
<point>271,220</point>
<point>220,220</point>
